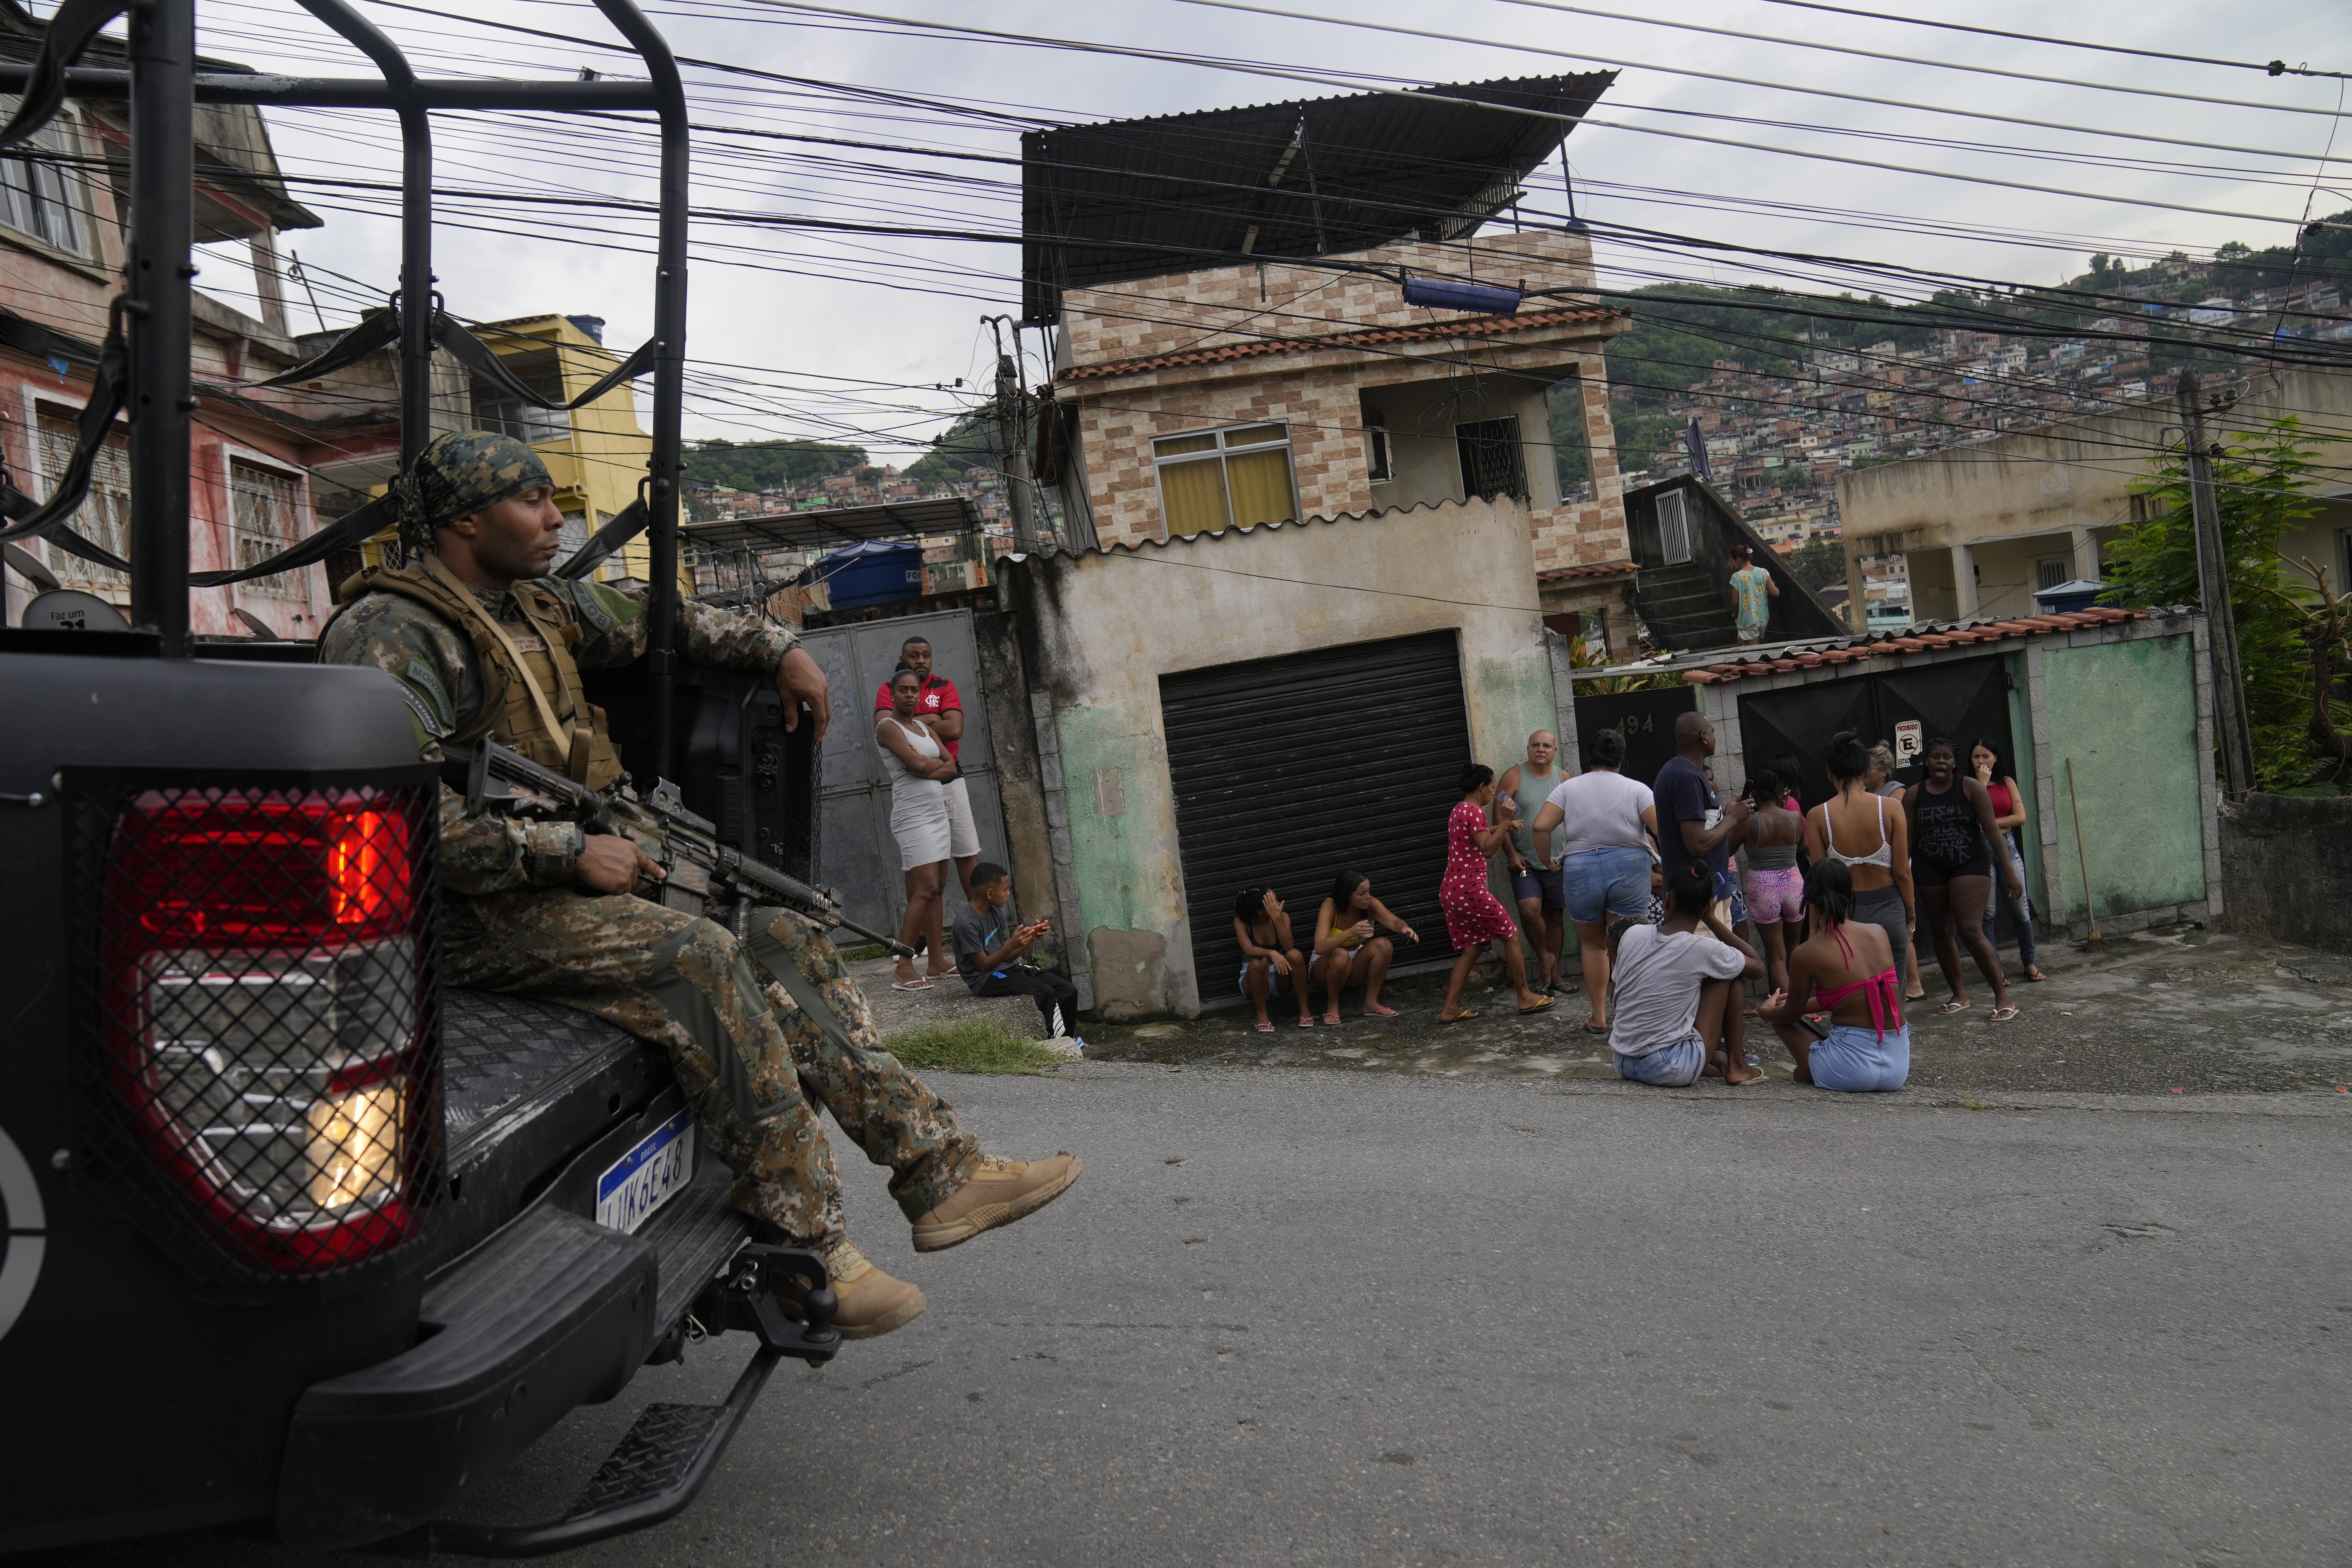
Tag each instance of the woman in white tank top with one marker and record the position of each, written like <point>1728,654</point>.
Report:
<point>1855,827</point>
<point>917,767</point>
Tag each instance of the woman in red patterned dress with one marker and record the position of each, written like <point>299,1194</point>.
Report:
<point>1474,916</point>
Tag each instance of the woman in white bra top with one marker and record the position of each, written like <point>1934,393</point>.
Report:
<point>1838,827</point>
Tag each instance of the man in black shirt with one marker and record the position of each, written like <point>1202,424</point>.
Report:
<point>1692,825</point>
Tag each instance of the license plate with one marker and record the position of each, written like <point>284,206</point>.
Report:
<point>648,1175</point>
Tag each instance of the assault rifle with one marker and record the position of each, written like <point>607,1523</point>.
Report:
<point>699,869</point>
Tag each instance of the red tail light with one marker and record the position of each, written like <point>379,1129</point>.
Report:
<point>264,986</point>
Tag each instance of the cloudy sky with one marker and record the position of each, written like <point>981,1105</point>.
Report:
<point>798,334</point>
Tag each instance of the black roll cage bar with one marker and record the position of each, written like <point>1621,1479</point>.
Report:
<point>162,87</point>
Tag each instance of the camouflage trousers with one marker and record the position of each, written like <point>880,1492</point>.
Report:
<point>755,1059</point>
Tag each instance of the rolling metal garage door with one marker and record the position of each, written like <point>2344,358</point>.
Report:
<point>1288,770</point>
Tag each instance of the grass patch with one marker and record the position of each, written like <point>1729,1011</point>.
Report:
<point>1976,1105</point>
<point>973,1046</point>
<point>871,950</point>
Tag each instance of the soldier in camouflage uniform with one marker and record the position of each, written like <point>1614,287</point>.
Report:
<point>481,643</point>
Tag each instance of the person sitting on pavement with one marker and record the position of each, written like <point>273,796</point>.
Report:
<point>1847,967</point>
<point>1534,860</point>
<point>989,951</point>
<point>1349,946</point>
<point>1270,961</point>
<point>1608,823</point>
<point>1855,828</point>
<point>760,1029</point>
<point>1678,992</point>
<point>1474,916</point>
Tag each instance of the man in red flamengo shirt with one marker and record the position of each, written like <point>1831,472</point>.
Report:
<point>939,710</point>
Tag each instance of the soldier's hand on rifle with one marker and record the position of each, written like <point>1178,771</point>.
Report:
<point>800,679</point>
<point>609,863</point>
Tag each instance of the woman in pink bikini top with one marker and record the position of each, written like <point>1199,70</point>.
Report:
<point>1848,969</point>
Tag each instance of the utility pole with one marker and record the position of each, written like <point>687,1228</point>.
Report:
<point>2213,591</point>
<point>1013,441</point>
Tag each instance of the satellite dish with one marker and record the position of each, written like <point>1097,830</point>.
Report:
<point>71,610</point>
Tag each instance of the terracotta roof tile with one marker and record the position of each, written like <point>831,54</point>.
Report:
<point>1863,648</point>
<point>1476,327</point>
<point>1601,569</point>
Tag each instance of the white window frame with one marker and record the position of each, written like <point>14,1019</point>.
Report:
<point>1218,453</point>
<point>71,570</point>
<point>1380,455</point>
<point>45,188</point>
<point>291,586</point>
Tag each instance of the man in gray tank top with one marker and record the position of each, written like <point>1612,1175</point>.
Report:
<point>1536,882</point>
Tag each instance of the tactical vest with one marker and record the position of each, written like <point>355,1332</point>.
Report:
<point>531,696</point>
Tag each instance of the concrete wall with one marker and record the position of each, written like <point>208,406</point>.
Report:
<point>1421,416</point>
<point>2126,714</point>
<point>1098,630</point>
<point>2286,862</point>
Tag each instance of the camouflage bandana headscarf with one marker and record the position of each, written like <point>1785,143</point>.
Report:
<point>457,476</point>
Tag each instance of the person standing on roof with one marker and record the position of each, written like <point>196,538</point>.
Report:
<point>481,642</point>
<point>1753,590</point>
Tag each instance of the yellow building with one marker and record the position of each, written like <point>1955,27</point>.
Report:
<point>596,453</point>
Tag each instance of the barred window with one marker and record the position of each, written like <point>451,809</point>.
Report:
<point>105,517</point>
<point>264,505</point>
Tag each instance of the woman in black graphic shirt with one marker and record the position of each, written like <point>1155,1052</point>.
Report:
<point>1952,835</point>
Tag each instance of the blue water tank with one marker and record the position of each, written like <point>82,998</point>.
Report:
<point>874,572</point>
<point>1451,294</point>
<point>2067,597</point>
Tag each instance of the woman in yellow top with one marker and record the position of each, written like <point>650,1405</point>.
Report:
<point>1349,946</point>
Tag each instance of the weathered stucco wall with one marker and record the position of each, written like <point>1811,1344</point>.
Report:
<point>2126,713</point>
<point>1100,629</point>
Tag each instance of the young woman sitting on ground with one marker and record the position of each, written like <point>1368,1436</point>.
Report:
<point>1952,840</point>
<point>1848,967</point>
<point>1271,961</point>
<point>1870,836</point>
<point>1350,948</point>
<point>1677,998</point>
<point>1776,889</point>
<point>1474,916</point>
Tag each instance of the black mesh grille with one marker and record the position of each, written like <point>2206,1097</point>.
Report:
<point>256,1031</point>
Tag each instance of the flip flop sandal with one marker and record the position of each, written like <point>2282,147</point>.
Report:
<point>1378,1012</point>
<point>2035,976</point>
<point>1954,1006</point>
<point>1265,1028</point>
<point>2001,1014</point>
<point>1306,1023</point>
<point>1542,1007</point>
<point>1592,1028</point>
<point>910,985</point>
<point>1460,1018</point>
<point>1567,987</point>
<point>1331,1018</point>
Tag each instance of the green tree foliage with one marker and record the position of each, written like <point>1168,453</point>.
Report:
<point>973,441</point>
<point>1819,564</point>
<point>767,465</point>
<point>2262,489</point>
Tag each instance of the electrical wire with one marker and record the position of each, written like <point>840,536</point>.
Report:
<point>2273,67</point>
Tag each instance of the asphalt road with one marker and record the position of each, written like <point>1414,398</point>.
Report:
<point>1301,1317</point>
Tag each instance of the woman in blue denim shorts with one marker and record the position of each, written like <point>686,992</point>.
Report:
<point>1849,967</point>
<point>1605,859</point>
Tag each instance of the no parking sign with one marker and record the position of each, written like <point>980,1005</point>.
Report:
<point>1909,741</point>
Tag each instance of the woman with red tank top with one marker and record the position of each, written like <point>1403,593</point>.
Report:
<point>1847,966</point>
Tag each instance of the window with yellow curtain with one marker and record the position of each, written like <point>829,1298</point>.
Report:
<point>1221,478</point>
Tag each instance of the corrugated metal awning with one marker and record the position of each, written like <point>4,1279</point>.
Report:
<point>1140,198</point>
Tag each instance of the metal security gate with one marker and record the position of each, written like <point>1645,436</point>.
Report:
<point>1287,771</point>
<point>860,859</point>
<point>1646,720</point>
<point>1960,701</point>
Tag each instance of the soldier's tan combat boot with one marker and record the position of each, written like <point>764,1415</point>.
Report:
<point>872,1303</point>
<point>999,1193</point>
